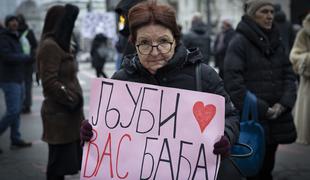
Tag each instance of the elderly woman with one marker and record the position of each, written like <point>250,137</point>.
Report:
<point>62,108</point>
<point>256,61</point>
<point>300,58</point>
<point>162,60</point>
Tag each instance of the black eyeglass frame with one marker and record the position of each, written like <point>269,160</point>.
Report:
<point>138,45</point>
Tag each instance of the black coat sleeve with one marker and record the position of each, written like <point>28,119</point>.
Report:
<point>7,54</point>
<point>214,84</point>
<point>289,95</point>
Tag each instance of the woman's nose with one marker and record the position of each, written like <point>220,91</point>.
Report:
<point>154,51</point>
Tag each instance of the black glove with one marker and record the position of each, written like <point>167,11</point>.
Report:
<point>222,147</point>
<point>86,132</point>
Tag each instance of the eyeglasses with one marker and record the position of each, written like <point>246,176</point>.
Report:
<point>163,48</point>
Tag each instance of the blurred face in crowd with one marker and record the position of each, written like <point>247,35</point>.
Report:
<point>155,45</point>
<point>13,25</point>
<point>264,16</point>
<point>225,26</point>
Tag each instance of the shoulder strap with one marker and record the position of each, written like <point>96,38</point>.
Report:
<point>249,107</point>
<point>198,77</point>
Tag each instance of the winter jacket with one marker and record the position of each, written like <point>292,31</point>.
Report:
<point>286,31</point>
<point>220,52</point>
<point>180,73</point>
<point>99,51</point>
<point>300,58</point>
<point>12,58</point>
<point>256,61</point>
<point>199,37</point>
<point>62,108</point>
<point>33,44</point>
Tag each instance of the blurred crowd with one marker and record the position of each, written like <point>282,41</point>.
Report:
<point>264,54</point>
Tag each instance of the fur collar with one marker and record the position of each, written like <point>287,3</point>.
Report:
<point>306,24</point>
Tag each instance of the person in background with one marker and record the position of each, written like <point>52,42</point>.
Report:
<point>1,26</point>
<point>99,54</point>
<point>198,37</point>
<point>156,36</point>
<point>285,28</point>
<point>12,61</point>
<point>300,58</point>
<point>29,45</point>
<point>221,43</point>
<point>120,47</point>
<point>255,61</point>
<point>123,45</point>
<point>62,107</point>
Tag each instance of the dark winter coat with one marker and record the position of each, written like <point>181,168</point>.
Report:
<point>62,108</point>
<point>199,37</point>
<point>99,51</point>
<point>29,67</point>
<point>221,52</point>
<point>180,73</point>
<point>258,63</point>
<point>286,31</point>
<point>31,39</point>
<point>12,58</point>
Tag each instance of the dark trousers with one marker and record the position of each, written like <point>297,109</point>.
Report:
<point>100,73</point>
<point>13,94</point>
<point>228,171</point>
<point>63,159</point>
<point>269,161</point>
<point>28,86</point>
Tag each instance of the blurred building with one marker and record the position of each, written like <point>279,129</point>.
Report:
<point>31,12</point>
<point>7,7</point>
<point>213,11</point>
<point>218,10</point>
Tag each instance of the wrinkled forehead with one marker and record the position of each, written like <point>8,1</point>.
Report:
<point>266,7</point>
<point>153,31</point>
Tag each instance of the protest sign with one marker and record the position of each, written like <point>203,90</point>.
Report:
<point>99,22</point>
<point>144,131</point>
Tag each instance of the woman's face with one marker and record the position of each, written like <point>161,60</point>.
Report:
<point>155,46</point>
<point>264,16</point>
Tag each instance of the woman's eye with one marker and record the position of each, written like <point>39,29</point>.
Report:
<point>163,40</point>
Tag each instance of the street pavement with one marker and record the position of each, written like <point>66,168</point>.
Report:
<point>292,163</point>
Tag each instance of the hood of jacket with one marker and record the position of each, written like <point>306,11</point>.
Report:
<point>122,8</point>
<point>199,28</point>
<point>265,40</point>
<point>64,29</point>
<point>124,5</point>
<point>181,57</point>
<point>280,17</point>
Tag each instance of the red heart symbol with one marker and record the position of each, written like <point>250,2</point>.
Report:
<point>203,114</point>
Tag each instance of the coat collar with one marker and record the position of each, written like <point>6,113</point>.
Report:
<point>266,41</point>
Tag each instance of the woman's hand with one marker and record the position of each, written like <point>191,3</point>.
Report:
<point>222,147</point>
<point>86,132</point>
<point>275,111</point>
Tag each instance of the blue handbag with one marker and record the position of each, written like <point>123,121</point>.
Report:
<point>248,153</point>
